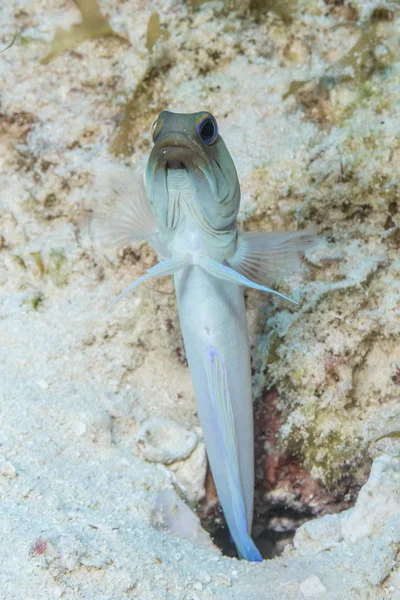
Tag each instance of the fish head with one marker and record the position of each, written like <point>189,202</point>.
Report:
<point>190,172</point>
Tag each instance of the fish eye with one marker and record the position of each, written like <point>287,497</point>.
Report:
<point>208,129</point>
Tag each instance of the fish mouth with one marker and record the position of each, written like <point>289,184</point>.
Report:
<point>177,153</point>
<point>168,145</point>
<point>174,148</point>
<point>175,164</point>
<point>175,157</point>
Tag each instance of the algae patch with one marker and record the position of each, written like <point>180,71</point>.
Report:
<point>38,259</point>
<point>367,57</point>
<point>154,31</point>
<point>57,267</point>
<point>93,26</point>
<point>148,98</point>
<point>35,300</point>
<point>139,111</point>
<point>11,43</point>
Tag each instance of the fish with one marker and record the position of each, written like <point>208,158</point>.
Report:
<point>186,206</point>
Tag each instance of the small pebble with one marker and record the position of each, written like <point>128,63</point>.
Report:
<point>204,577</point>
<point>165,441</point>
<point>6,468</point>
<point>225,579</point>
<point>191,596</point>
<point>313,588</point>
<point>51,551</point>
<point>71,563</point>
<point>80,428</point>
<point>89,340</point>
<point>43,384</point>
<point>198,586</point>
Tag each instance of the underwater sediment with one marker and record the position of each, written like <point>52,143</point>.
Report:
<point>306,96</point>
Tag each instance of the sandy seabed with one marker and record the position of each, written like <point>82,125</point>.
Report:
<point>98,420</point>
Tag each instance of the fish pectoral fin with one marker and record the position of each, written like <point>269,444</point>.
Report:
<point>230,491</point>
<point>226,273</point>
<point>268,256</point>
<point>162,269</point>
<point>122,212</point>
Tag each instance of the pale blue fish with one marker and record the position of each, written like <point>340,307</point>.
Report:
<point>186,208</point>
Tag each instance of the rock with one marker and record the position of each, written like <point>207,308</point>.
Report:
<point>377,501</point>
<point>369,532</point>
<point>312,587</point>
<point>173,516</point>
<point>43,384</point>
<point>297,51</point>
<point>319,534</point>
<point>191,474</point>
<point>95,427</point>
<point>315,141</point>
<point>165,441</point>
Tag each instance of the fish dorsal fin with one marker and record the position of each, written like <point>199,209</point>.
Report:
<point>268,256</point>
<point>233,507</point>
<point>122,213</point>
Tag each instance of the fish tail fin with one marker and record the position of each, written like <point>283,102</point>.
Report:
<point>248,550</point>
<point>229,487</point>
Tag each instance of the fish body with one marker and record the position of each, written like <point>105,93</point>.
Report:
<point>213,319</point>
<point>194,189</point>
<point>187,209</point>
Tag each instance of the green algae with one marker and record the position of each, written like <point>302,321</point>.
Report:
<point>392,434</point>
<point>362,58</point>
<point>93,26</point>
<point>327,443</point>
<point>139,111</point>
<point>38,259</point>
<point>275,342</point>
<point>285,9</point>
<point>35,300</point>
<point>52,265</point>
<point>147,98</point>
<point>154,31</point>
<point>361,62</point>
<point>20,261</point>
<point>56,267</point>
<point>11,43</point>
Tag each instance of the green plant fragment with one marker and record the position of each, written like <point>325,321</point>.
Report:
<point>139,109</point>
<point>20,261</point>
<point>392,434</point>
<point>93,26</point>
<point>56,267</point>
<point>37,257</point>
<point>36,300</point>
<point>11,43</point>
<point>154,31</point>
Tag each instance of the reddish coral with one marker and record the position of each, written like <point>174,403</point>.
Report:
<point>40,546</point>
<point>276,469</point>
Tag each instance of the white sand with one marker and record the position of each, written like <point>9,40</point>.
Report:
<point>78,387</point>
